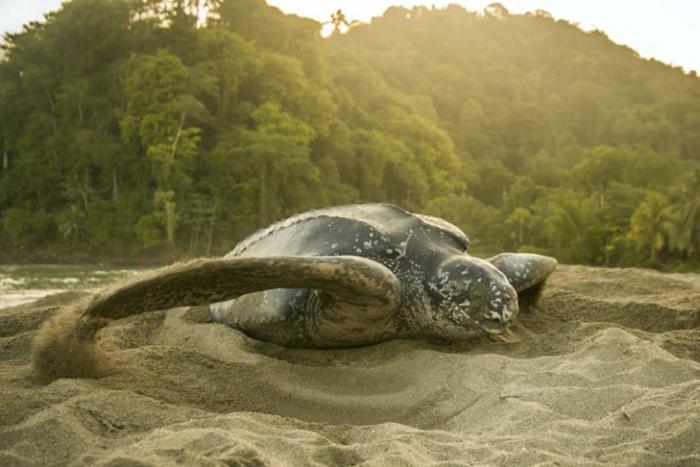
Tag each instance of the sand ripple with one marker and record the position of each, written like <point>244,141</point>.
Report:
<point>604,372</point>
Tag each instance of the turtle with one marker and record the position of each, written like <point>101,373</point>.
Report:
<point>343,276</point>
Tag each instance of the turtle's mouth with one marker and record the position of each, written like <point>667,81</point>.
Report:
<point>494,327</point>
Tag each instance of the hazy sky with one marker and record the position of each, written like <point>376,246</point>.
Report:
<point>668,30</point>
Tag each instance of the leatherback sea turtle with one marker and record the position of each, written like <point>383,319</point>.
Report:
<point>340,277</point>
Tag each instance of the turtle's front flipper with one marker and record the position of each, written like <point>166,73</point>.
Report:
<point>350,279</point>
<point>524,270</point>
<point>65,345</point>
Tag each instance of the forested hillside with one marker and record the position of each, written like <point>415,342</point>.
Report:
<point>133,130</point>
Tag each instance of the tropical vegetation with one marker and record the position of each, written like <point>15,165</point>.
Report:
<point>133,129</point>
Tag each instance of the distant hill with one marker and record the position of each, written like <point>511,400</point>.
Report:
<point>508,88</point>
<point>133,131</point>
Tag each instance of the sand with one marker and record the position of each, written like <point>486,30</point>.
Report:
<point>603,372</point>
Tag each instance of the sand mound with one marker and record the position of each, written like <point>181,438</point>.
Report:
<point>604,372</point>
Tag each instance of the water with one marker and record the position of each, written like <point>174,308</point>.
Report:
<point>21,284</point>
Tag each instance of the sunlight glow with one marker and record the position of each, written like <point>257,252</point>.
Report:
<point>665,30</point>
<point>202,15</point>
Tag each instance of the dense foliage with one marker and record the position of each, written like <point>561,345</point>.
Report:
<point>130,127</point>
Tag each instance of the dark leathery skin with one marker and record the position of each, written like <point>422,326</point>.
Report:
<point>410,246</point>
<point>343,276</point>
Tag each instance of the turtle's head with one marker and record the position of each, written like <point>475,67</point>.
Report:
<point>469,294</point>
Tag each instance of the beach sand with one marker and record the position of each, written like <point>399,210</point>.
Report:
<point>604,371</point>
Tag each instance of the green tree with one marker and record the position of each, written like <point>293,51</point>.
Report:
<point>519,225</point>
<point>225,62</point>
<point>263,173</point>
<point>339,21</point>
<point>650,225</point>
<point>599,168</point>
<point>572,228</point>
<point>26,228</point>
<point>156,123</point>
<point>685,232</point>
<point>614,222</point>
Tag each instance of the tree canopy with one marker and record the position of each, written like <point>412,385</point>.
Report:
<point>148,129</point>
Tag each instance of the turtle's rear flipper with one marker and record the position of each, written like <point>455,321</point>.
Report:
<point>349,279</point>
<point>524,270</point>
